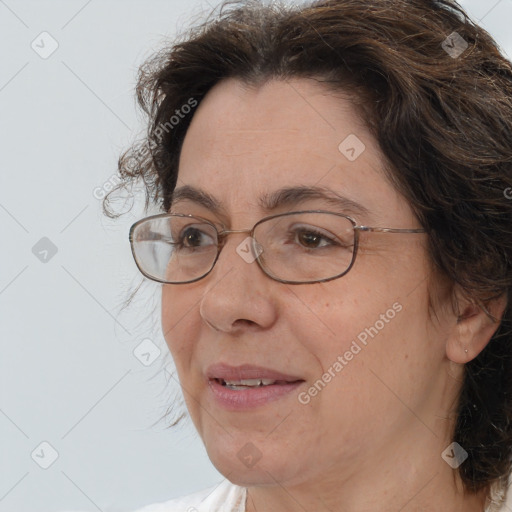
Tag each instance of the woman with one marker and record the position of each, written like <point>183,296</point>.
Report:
<point>335,247</point>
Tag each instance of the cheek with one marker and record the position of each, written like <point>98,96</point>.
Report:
<point>362,331</point>
<point>178,324</point>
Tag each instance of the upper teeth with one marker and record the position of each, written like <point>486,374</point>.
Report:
<point>249,382</point>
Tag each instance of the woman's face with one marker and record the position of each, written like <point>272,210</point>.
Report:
<point>369,363</point>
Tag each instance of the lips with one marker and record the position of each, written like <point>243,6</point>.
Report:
<point>245,387</point>
<point>246,372</point>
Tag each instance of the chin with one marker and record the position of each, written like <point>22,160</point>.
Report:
<point>246,463</point>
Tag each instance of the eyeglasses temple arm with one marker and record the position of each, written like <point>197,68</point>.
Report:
<point>389,230</point>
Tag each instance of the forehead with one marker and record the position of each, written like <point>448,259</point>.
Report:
<point>244,142</point>
<point>273,121</point>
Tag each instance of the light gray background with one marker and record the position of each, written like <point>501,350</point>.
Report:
<point>68,373</point>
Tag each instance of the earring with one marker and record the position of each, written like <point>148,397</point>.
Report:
<point>466,350</point>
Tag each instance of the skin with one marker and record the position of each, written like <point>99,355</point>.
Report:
<point>372,438</point>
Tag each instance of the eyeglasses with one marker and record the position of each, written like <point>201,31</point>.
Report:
<point>294,247</point>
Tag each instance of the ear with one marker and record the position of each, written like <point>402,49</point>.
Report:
<point>472,328</point>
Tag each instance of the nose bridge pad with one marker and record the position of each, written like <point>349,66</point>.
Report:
<point>223,235</point>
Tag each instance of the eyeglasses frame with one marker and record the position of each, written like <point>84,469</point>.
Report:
<point>222,235</point>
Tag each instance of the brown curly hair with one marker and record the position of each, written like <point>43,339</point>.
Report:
<point>443,123</point>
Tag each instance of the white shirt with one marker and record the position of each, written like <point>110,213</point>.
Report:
<point>224,497</point>
<point>227,497</point>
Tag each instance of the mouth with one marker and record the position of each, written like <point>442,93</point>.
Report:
<point>248,386</point>
<point>242,384</point>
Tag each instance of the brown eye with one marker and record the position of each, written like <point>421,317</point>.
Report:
<point>192,237</point>
<point>310,239</point>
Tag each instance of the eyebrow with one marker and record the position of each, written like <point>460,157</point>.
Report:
<point>281,198</point>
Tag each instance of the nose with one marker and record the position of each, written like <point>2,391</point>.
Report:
<point>238,294</point>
